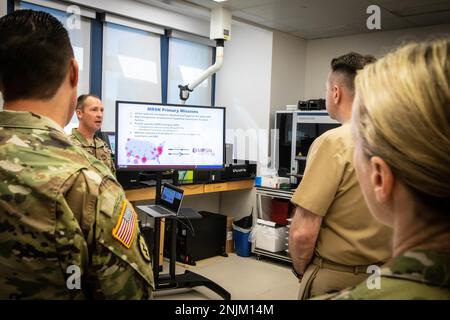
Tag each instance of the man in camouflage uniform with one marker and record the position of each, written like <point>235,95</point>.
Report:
<point>416,274</point>
<point>66,229</point>
<point>90,115</point>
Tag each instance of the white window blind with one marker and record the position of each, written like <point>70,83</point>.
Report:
<point>187,61</point>
<point>131,68</point>
<point>80,37</point>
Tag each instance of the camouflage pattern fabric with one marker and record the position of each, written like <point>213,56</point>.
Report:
<point>98,148</point>
<point>58,210</point>
<point>414,275</point>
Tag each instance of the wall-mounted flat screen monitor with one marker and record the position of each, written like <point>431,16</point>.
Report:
<point>154,136</point>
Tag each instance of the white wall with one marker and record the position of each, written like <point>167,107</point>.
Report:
<point>204,202</point>
<point>320,52</point>
<point>3,8</point>
<point>237,204</point>
<point>288,71</point>
<point>243,86</point>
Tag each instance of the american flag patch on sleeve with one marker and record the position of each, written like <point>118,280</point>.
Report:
<point>126,226</point>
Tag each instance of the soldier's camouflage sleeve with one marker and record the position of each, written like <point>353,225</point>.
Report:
<point>345,294</point>
<point>110,162</point>
<point>418,274</point>
<point>118,265</point>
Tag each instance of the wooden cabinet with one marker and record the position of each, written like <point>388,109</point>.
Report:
<point>216,187</point>
<point>191,189</point>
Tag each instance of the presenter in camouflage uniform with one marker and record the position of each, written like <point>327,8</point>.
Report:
<point>402,160</point>
<point>333,238</point>
<point>66,229</point>
<point>90,116</point>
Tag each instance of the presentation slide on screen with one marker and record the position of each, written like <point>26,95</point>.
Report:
<point>169,136</point>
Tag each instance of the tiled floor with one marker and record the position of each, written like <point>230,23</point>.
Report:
<point>244,278</point>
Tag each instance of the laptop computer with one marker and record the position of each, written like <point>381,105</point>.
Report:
<point>171,198</point>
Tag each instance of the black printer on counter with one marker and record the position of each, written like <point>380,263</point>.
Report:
<point>237,170</point>
<point>313,104</point>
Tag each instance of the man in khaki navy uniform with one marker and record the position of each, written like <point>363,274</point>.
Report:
<point>333,237</point>
<point>67,230</point>
<point>90,116</point>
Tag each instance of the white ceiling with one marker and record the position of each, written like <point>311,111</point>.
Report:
<point>314,19</point>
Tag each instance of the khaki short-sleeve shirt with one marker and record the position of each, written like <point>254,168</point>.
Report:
<point>349,234</point>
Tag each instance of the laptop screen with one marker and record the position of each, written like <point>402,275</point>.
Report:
<point>171,197</point>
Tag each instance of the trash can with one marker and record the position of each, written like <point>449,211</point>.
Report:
<point>242,244</point>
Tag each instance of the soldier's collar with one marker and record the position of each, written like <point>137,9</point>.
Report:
<point>420,265</point>
<point>26,119</point>
<point>96,142</point>
<point>81,138</point>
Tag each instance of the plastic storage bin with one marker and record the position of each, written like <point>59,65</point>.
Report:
<point>270,238</point>
<point>241,237</point>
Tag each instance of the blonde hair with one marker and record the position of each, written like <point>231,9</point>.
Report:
<point>402,114</point>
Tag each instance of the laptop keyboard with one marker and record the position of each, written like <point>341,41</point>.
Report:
<point>162,211</point>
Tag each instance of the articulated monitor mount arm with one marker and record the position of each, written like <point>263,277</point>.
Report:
<point>186,89</point>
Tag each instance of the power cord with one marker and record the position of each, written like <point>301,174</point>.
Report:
<point>191,228</point>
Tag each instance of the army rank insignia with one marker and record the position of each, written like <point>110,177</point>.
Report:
<point>126,225</point>
<point>143,248</point>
